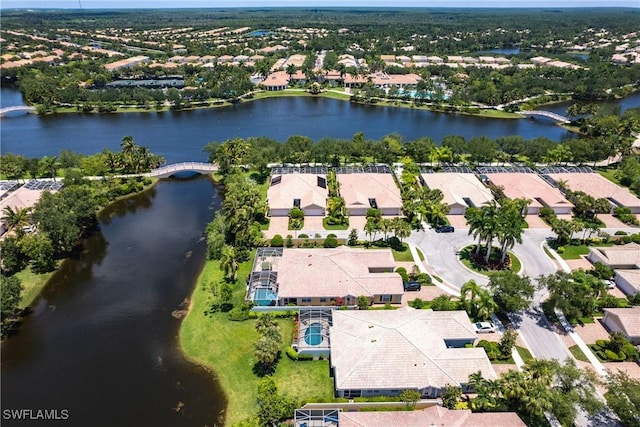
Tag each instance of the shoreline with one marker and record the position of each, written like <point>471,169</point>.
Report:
<point>488,112</point>
<point>34,284</point>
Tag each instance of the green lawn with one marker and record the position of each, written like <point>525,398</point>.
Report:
<point>609,174</point>
<point>403,255</point>
<point>226,348</point>
<point>578,353</point>
<point>32,285</point>
<point>328,226</point>
<point>524,353</point>
<point>575,251</point>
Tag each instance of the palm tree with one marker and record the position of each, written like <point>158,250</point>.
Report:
<point>511,222</point>
<point>229,263</point>
<point>473,216</point>
<point>15,218</point>
<point>50,165</point>
<point>130,151</point>
<point>291,70</point>
<point>371,228</point>
<point>468,293</point>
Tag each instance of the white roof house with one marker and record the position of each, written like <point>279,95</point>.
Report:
<point>362,191</point>
<point>533,188</point>
<point>628,281</point>
<point>385,352</point>
<point>460,190</point>
<point>598,186</point>
<point>343,272</point>
<point>617,257</point>
<point>306,191</point>
<point>625,320</point>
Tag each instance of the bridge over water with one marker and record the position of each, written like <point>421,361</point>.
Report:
<point>548,114</point>
<point>25,108</point>
<point>172,169</point>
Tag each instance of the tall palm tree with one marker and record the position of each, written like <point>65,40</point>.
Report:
<point>229,263</point>
<point>15,218</point>
<point>129,151</point>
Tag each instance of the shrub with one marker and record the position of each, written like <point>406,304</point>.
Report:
<point>330,242</point>
<point>296,213</point>
<point>303,236</point>
<point>416,303</point>
<point>560,249</point>
<point>277,241</point>
<point>289,241</point>
<point>292,354</point>
<point>403,273</point>
<point>612,356</point>
<point>620,233</point>
<point>238,315</point>
<point>373,213</point>
<point>303,357</point>
<point>424,279</point>
<point>331,236</point>
<point>602,343</point>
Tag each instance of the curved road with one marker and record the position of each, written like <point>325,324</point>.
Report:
<point>440,250</point>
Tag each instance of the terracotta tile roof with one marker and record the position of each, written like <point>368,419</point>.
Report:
<point>628,254</point>
<point>529,186</point>
<point>628,319</point>
<point>433,416</point>
<point>277,79</point>
<point>631,276</point>
<point>403,348</point>
<point>358,188</point>
<point>297,186</point>
<point>338,272</point>
<point>456,186</point>
<point>597,186</point>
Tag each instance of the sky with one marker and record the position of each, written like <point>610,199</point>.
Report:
<point>121,4</point>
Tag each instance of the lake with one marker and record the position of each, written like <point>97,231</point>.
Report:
<point>180,136</point>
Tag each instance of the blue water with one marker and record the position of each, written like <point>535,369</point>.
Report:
<point>313,334</point>
<point>259,33</point>
<point>264,297</point>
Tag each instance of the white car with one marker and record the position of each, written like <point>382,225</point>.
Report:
<point>609,284</point>
<point>484,327</point>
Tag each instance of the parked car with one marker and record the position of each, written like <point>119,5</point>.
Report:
<point>445,229</point>
<point>412,286</point>
<point>484,327</point>
<point>609,284</point>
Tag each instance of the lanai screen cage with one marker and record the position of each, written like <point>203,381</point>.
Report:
<point>313,331</point>
<point>316,417</point>
<point>262,286</point>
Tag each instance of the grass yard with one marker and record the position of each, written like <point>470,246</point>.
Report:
<point>402,255</point>
<point>576,251</point>
<point>328,226</point>
<point>32,285</point>
<point>524,353</point>
<point>226,348</point>
<point>578,353</point>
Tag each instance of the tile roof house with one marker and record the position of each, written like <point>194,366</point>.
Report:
<point>625,320</point>
<point>533,188</point>
<point>460,190</point>
<point>385,352</point>
<point>598,186</point>
<point>278,80</point>
<point>362,191</point>
<point>628,281</point>
<point>433,416</point>
<point>320,276</point>
<point>617,257</point>
<point>304,190</point>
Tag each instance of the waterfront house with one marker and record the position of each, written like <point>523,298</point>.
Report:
<point>382,353</point>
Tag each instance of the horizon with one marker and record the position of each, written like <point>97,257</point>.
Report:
<point>276,4</point>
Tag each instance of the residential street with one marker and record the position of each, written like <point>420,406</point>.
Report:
<point>440,250</point>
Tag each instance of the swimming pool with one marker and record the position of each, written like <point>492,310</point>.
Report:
<point>264,297</point>
<point>313,334</point>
